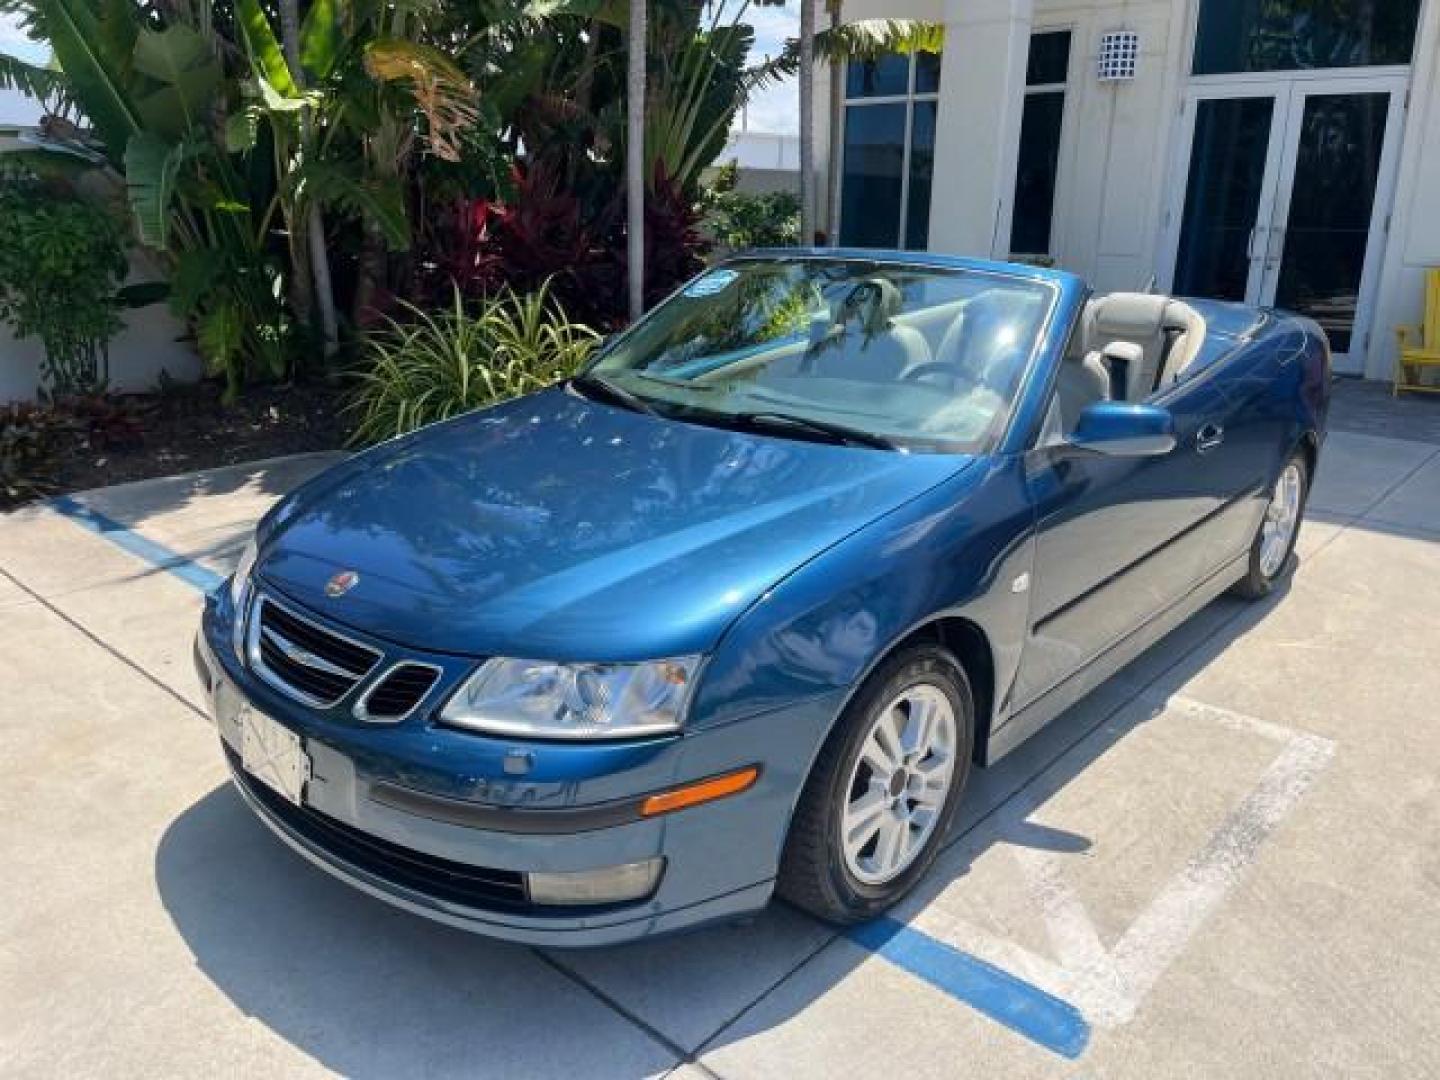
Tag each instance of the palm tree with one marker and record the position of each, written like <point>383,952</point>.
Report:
<point>314,225</point>
<point>807,122</point>
<point>837,122</point>
<point>635,158</point>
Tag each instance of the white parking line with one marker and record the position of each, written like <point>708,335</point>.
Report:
<point>1108,985</point>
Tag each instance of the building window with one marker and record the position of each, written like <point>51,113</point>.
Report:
<point>891,105</point>
<point>1289,35</point>
<point>1039,157</point>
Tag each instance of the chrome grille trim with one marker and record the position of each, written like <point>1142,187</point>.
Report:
<point>257,633</point>
<point>361,710</point>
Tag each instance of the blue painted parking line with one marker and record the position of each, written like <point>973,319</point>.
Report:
<point>121,535</point>
<point>1006,999</point>
<point>1019,1005</point>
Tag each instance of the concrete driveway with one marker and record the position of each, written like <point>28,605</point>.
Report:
<point>1226,862</point>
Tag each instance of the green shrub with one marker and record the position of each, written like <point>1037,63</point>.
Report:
<point>61,259</point>
<point>443,364</point>
<point>737,221</point>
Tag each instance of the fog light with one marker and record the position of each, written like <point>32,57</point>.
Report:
<point>612,885</point>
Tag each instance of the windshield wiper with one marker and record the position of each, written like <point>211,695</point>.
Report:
<point>840,433</point>
<point>590,383</point>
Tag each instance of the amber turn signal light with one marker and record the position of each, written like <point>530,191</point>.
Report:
<point>717,787</point>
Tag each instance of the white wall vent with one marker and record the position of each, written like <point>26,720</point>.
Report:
<point>1119,56</point>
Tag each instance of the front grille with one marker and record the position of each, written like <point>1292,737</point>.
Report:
<point>395,695</point>
<point>429,875</point>
<point>304,659</point>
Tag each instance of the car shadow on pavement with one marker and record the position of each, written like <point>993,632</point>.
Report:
<point>369,990</point>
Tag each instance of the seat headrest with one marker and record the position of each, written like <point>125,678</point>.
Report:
<point>1129,315</point>
<point>872,303</point>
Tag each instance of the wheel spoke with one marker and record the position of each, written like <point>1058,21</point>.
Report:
<point>921,729</point>
<point>874,754</point>
<point>894,837</point>
<point>887,735</point>
<point>863,819</point>
<point>934,776</point>
<point>924,817</point>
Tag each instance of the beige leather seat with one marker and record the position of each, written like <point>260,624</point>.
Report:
<point>985,345</point>
<point>1168,332</point>
<point>1083,380</point>
<point>863,341</point>
<point>1186,345</point>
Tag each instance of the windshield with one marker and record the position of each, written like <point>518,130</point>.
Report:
<point>871,352</point>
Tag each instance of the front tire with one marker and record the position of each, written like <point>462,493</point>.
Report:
<point>882,795</point>
<point>1274,543</point>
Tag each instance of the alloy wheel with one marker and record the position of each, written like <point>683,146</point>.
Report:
<point>898,785</point>
<point>1281,518</point>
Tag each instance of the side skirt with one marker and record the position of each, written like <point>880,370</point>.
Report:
<point>1040,712</point>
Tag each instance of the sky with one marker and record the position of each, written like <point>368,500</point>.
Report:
<point>16,108</point>
<point>14,41</point>
<point>774,109</point>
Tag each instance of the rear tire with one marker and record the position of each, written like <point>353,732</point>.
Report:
<point>890,778</point>
<point>1274,544</point>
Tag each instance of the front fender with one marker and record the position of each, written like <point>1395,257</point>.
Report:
<point>963,549</point>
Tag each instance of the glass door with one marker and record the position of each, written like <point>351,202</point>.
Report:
<point>1285,188</point>
<point>1322,251</point>
<point>1228,192</point>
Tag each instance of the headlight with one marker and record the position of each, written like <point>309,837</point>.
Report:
<point>547,700</point>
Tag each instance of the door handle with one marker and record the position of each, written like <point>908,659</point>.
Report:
<point>1275,250</point>
<point>1255,232</point>
<point>1209,437</point>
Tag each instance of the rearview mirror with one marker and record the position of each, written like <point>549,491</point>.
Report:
<point>1122,429</point>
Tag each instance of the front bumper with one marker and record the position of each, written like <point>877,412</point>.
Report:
<point>429,819</point>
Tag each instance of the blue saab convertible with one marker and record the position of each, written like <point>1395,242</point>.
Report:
<point>736,610</point>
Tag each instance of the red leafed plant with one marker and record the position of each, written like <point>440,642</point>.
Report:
<point>548,232</point>
<point>674,248</point>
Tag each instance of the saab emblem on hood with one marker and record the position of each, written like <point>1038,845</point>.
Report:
<point>341,583</point>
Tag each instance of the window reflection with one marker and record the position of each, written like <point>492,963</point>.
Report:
<point>874,160</point>
<point>889,151</point>
<point>922,170</point>
<point>1328,234</point>
<point>1287,35</point>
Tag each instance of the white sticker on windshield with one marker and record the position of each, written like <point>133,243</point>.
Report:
<point>711,283</point>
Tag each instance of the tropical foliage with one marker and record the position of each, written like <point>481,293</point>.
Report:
<point>301,167</point>
<point>438,364</point>
<point>738,220</point>
<point>62,259</point>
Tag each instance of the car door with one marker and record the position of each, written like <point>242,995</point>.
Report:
<point>1120,539</point>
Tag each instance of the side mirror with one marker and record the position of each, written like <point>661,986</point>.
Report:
<point>1121,429</point>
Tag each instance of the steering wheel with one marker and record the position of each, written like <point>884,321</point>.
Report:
<point>955,373</point>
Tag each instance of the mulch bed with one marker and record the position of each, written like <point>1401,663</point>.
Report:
<point>185,428</point>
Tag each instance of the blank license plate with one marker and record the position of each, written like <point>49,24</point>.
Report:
<point>273,755</point>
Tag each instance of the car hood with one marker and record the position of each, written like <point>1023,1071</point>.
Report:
<point>553,527</point>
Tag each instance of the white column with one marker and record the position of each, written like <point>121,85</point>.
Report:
<point>982,94</point>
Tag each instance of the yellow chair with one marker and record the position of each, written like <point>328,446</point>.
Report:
<point>1420,345</point>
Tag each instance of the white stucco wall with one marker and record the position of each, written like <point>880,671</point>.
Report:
<point>1112,158</point>
<point>147,346</point>
<point>1121,170</point>
<point>16,108</point>
<point>1413,243</point>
